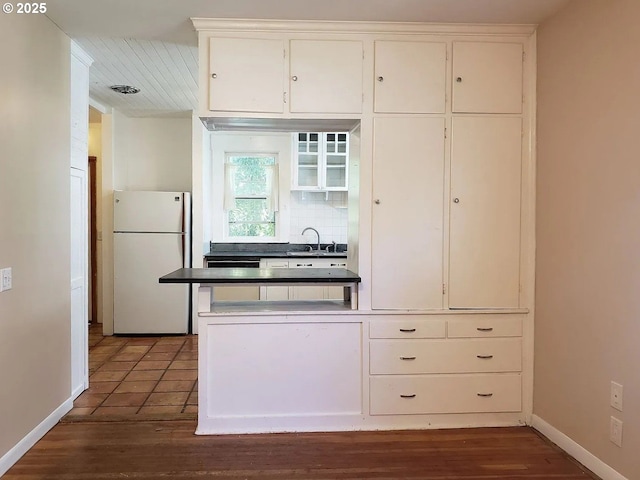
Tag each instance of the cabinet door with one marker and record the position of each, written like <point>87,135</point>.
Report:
<point>410,77</point>
<point>330,292</point>
<point>307,161</point>
<point>274,293</point>
<point>306,292</point>
<point>407,224</point>
<point>326,76</point>
<point>336,155</point>
<point>484,266</point>
<point>246,75</point>
<point>487,77</point>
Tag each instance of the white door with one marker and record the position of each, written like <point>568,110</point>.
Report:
<point>410,77</point>
<point>326,76</point>
<point>246,75</point>
<point>407,223</point>
<point>141,303</point>
<point>487,77</point>
<point>484,267</point>
<point>79,283</point>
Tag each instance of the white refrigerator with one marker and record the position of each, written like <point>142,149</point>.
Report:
<point>151,238</point>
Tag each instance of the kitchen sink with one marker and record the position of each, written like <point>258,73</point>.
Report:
<point>314,253</point>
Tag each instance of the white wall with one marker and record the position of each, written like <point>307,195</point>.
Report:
<point>588,233</point>
<point>35,361</point>
<point>152,153</point>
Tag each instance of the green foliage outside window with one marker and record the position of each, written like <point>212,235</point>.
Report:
<point>252,216</point>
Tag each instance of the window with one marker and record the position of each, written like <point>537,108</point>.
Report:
<point>251,195</point>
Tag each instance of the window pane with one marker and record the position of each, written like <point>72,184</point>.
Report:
<point>251,210</point>
<point>252,218</point>
<point>250,177</point>
<point>252,230</point>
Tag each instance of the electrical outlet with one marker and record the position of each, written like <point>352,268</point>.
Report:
<point>615,431</point>
<point>616,396</point>
<point>5,279</point>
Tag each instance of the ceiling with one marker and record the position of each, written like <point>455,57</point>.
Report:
<point>152,44</point>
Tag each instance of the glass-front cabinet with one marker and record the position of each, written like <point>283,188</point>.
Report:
<point>320,161</point>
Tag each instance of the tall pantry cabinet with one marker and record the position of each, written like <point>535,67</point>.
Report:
<point>409,229</point>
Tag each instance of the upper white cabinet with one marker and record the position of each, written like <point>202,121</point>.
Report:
<point>325,76</point>
<point>410,77</point>
<point>320,161</point>
<point>250,75</point>
<point>487,77</point>
<point>246,75</point>
<point>484,261</point>
<point>407,228</point>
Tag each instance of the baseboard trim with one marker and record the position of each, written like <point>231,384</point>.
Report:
<point>574,449</point>
<point>23,446</point>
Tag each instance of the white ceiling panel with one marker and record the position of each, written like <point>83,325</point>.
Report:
<point>166,74</point>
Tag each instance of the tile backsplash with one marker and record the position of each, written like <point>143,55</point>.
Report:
<point>312,209</point>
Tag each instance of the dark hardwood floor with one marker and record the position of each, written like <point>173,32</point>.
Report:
<point>169,449</point>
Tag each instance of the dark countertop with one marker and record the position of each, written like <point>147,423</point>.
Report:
<point>271,250</point>
<point>261,275</point>
<point>301,254</point>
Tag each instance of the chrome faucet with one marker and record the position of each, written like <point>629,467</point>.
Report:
<point>311,228</point>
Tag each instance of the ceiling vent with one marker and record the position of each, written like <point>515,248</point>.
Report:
<point>124,89</point>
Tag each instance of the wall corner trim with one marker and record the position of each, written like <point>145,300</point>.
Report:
<point>574,449</point>
<point>23,446</point>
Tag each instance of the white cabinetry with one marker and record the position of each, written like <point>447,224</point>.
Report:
<point>326,76</point>
<point>303,292</point>
<point>484,258</point>
<point>407,223</point>
<point>410,77</point>
<point>275,373</point>
<point>320,161</point>
<point>317,292</point>
<point>415,369</point>
<point>487,77</point>
<point>246,75</point>
<point>249,75</point>
<point>274,293</point>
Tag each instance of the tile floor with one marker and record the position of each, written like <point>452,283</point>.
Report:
<point>140,375</point>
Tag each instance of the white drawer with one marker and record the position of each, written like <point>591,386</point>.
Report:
<point>482,326</point>
<point>444,356</point>
<point>445,394</point>
<point>407,327</point>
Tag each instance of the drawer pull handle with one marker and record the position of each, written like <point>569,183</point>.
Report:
<point>407,358</point>
<point>408,396</point>
<point>485,395</point>
<point>485,357</point>
<point>480,329</point>
<point>408,330</point>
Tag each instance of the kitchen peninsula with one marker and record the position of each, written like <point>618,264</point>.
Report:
<point>267,277</point>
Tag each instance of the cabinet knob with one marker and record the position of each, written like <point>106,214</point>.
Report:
<point>214,75</point>
<point>294,78</point>
<point>377,201</point>
<point>459,79</point>
<point>381,79</point>
<point>456,200</point>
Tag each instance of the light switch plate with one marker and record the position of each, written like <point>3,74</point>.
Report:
<point>616,396</point>
<point>5,279</point>
<point>615,431</point>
